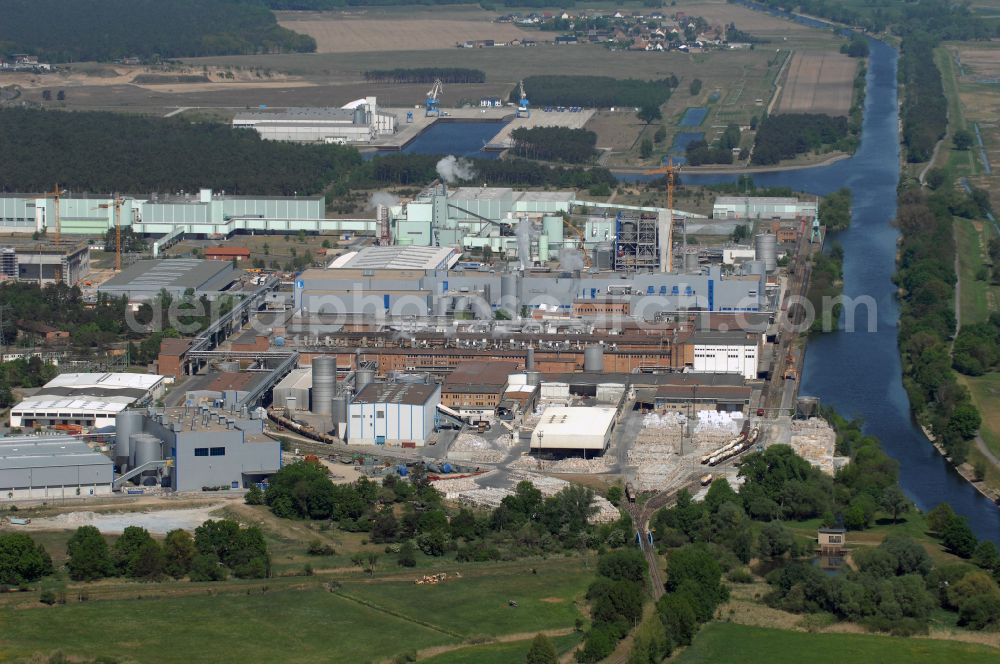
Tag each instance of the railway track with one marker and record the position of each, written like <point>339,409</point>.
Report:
<point>640,520</point>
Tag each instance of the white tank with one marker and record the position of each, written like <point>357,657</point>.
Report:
<point>324,382</point>
<point>766,247</point>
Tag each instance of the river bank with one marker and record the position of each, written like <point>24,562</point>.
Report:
<point>858,370</point>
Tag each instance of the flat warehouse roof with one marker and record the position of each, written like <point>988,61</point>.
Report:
<point>173,273</point>
<point>49,451</point>
<point>106,380</point>
<point>397,258</point>
<point>580,422</point>
<point>413,394</point>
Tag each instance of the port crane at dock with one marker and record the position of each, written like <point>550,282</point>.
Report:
<point>523,106</point>
<point>433,99</point>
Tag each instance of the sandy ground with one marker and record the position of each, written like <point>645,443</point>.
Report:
<point>818,83</point>
<point>336,32</point>
<point>158,522</point>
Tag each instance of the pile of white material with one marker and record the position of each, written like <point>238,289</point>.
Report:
<point>669,418</point>
<point>576,465</point>
<point>451,488</point>
<point>489,497</point>
<point>470,447</point>
<point>470,442</point>
<point>651,452</point>
<point>716,427</point>
<point>815,441</point>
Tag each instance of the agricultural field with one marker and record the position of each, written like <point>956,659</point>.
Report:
<point>971,75</point>
<point>346,32</point>
<point>727,643</point>
<point>818,83</point>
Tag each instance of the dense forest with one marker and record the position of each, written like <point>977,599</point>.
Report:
<point>926,278</point>
<point>835,210</point>
<point>953,21</point>
<point>596,91</point>
<point>425,75</point>
<point>789,134</point>
<point>925,108</point>
<point>417,169</point>
<point>74,30</point>
<point>574,146</point>
<point>102,152</point>
<point>700,152</point>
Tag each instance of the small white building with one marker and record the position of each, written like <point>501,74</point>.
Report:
<point>722,352</point>
<point>580,428</point>
<point>86,399</point>
<point>393,414</point>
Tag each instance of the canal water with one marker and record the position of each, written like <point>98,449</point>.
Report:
<point>460,138</point>
<point>858,372</point>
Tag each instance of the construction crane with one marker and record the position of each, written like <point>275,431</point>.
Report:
<point>116,203</point>
<point>583,242</point>
<point>55,195</point>
<point>434,98</point>
<point>523,106</point>
<point>668,170</point>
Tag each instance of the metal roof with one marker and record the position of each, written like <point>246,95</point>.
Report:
<point>399,258</point>
<point>413,394</point>
<point>338,115</point>
<point>47,451</point>
<point>105,380</point>
<point>161,273</point>
<point>111,405</point>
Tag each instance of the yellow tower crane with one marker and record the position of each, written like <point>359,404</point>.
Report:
<point>116,203</point>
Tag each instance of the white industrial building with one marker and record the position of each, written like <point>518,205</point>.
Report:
<point>726,353</point>
<point>762,207</point>
<point>39,467</point>
<point>357,122</point>
<point>393,413</point>
<point>580,428</point>
<point>87,399</point>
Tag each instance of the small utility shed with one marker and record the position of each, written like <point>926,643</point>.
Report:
<point>393,413</point>
<point>574,428</point>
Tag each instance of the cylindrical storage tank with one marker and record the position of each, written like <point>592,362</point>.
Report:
<point>543,249</point>
<point>508,285</point>
<point>279,341</point>
<point>127,424</point>
<point>553,229</point>
<point>766,247</point>
<point>229,367</point>
<point>145,448</point>
<point>324,370</point>
<point>593,358</point>
<point>441,305</point>
<point>338,409</point>
<point>446,467</point>
<point>691,263</point>
<point>362,378</point>
<point>461,303</point>
<point>529,360</point>
<point>403,471</point>
<point>534,378</point>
